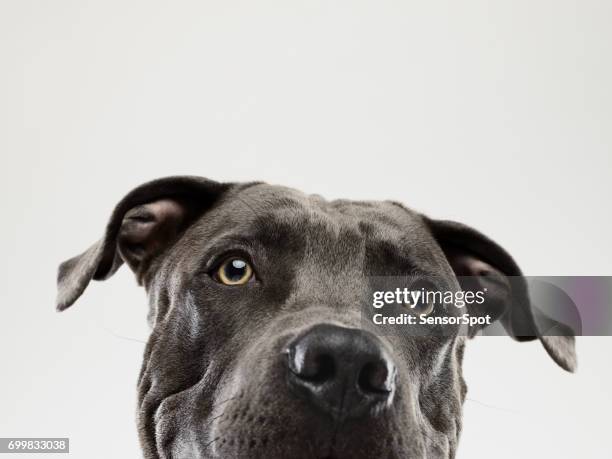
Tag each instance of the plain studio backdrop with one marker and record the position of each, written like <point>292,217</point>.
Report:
<point>497,114</point>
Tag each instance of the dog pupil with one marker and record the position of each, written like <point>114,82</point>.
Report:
<point>236,269</point>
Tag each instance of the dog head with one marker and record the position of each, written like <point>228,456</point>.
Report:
<point>258,348</point>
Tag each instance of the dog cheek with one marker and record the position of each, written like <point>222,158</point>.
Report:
<point>177,432</point>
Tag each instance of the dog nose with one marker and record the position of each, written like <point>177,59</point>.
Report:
<point>345,372</point>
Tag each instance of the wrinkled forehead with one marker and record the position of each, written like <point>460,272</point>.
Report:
<point>279,216</point>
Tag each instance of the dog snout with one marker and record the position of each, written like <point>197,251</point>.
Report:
<point>344,372</point>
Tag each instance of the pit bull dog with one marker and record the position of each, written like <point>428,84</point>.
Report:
<point>257,346</point>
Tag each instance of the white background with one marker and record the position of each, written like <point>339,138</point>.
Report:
<point>497,114</point>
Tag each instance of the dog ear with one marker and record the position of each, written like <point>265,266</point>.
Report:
<point>480,263</point>
<point>142,225</point>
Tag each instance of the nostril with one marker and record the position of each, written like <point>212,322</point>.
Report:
<point>374,378</point>
<point>323,369</point>
<point>311,366</point>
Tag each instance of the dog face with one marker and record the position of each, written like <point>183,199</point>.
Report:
<point>258,348</point>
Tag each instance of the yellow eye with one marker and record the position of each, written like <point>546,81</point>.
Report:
<point>423,308</point>
<point>234,271</point>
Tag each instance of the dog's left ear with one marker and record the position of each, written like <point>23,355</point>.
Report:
<point>143,224</point>
<point>479,263</point>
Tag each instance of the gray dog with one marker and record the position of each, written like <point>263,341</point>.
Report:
<point>258,348</point>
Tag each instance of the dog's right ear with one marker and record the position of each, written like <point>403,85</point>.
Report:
<point>142,225</point>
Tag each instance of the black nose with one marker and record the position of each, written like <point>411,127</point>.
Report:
<point>343,371</point>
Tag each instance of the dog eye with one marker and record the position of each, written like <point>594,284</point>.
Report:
<point>423,308</point>
<point>427,301</point>
<point>234,271</point>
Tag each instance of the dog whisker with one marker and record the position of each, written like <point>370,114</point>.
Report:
<point>209,423</point>
<point>211,442</point>
<point>492,406</point>
<point>226,400</point>
<point>126,338</point>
